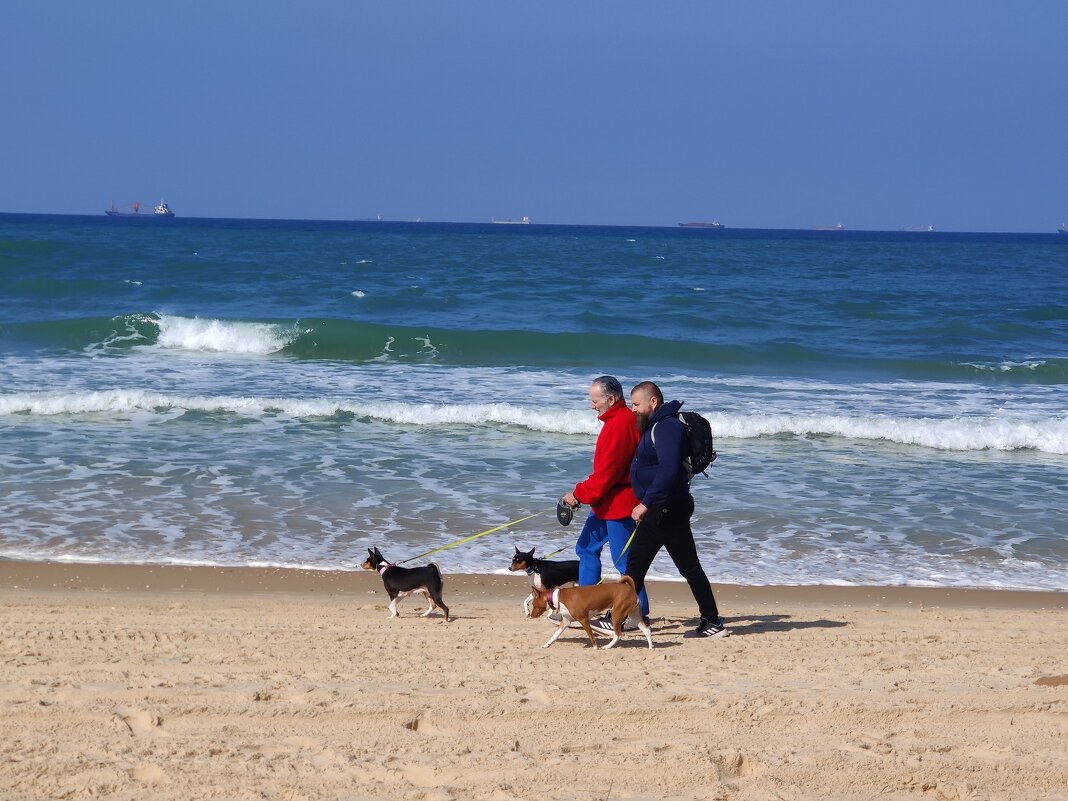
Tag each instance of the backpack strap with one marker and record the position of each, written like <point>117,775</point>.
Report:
<point>685,459</point>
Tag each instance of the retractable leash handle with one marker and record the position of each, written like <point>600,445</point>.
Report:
<point>564,514</point>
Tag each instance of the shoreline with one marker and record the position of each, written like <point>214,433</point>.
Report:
<point>46,576</point>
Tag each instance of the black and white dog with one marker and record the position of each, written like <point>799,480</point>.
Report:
<point>544,574</point>
<point>404,581</point>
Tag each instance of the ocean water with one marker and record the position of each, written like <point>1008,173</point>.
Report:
<point>890,408</point>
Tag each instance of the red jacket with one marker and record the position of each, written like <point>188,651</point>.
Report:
<point>607,489</point>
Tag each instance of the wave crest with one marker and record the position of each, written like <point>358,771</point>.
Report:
<point>1049,435</point>
<point>195,334</point>
<point>367,342</point>
<point>122,401</point>
<point>223,336</point>
<point>953,434</point>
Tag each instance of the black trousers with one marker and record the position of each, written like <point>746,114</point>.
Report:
<point>668,527</point>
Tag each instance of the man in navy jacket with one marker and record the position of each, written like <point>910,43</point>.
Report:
<point>665,506</point>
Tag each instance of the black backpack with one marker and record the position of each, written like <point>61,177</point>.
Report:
<point>701,449</point>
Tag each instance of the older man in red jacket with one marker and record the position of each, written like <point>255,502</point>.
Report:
<point>607,489</point>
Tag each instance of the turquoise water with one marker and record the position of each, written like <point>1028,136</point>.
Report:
<point>889,408</point>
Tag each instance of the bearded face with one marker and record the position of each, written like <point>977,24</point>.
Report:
<point>644,407</point>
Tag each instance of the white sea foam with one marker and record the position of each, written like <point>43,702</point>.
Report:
<point>559,422</point>
<point>955,434</point>
<point>123,401</point>
<point>1006,366</point>
<point>220,336</point>
<point>1047,434</point>
<point>356,293</point>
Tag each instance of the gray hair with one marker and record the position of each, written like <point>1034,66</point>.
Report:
<point>611,386</point>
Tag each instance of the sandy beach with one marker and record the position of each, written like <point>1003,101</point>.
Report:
<point>188,683</point>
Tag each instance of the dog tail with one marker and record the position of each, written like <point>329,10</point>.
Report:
<point>625,579</point>
<point>436,568</point>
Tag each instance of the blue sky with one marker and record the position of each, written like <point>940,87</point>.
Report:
<point>759,114</point>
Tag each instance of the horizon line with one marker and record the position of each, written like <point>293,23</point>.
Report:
<point>815,229</point>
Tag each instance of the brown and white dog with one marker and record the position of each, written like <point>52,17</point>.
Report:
<point>576,603</point>
<point>402,581</point>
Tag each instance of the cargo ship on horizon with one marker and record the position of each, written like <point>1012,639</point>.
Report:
<point>162,210</point>
<point>115,211</point>
<point>835,227</point>
<point>714,224</point>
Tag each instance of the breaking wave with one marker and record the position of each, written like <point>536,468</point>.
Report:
<point>1049,435</point>
<point>370,342</point>
<point>217,336</point>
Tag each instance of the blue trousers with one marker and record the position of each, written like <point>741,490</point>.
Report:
<point>595,533</point>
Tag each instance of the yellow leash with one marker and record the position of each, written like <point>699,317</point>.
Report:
<point>625,547</point>
<point>468,539</point>
<point>615,562</point>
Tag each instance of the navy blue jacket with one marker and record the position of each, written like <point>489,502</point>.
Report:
<point>656,474</point>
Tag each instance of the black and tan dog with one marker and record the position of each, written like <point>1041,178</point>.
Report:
<point>404,581</point>
<point>544,574</point>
